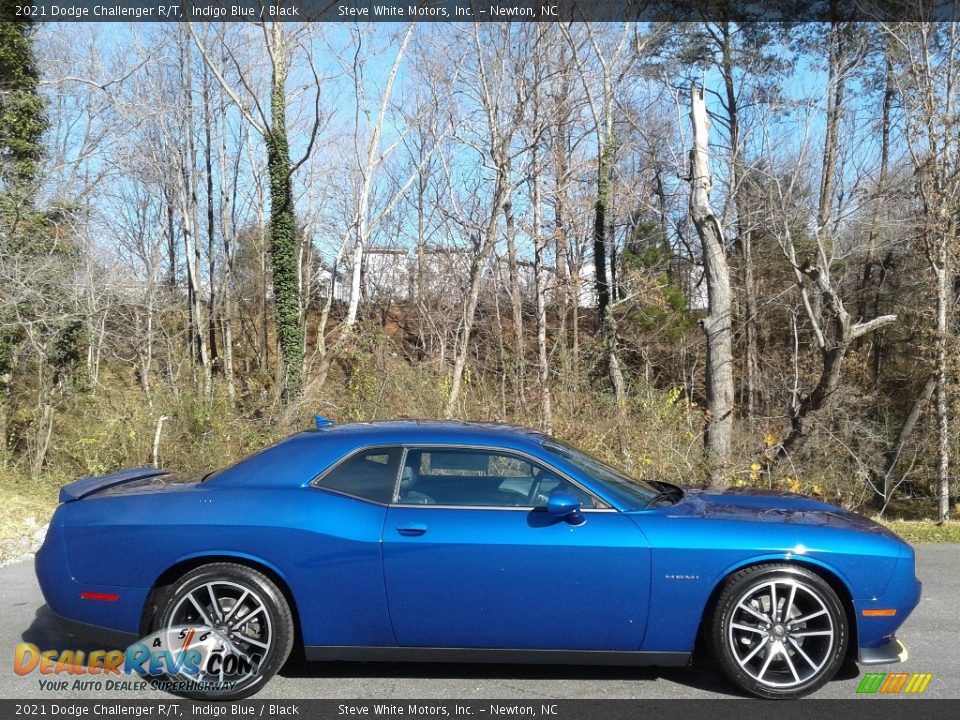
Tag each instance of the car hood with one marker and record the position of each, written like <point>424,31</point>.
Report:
<point>755,505</point>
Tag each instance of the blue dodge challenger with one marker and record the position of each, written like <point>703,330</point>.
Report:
<point>470,542</point>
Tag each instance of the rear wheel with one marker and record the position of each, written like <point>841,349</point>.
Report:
<point>252,624</point>
<point>778,631</point>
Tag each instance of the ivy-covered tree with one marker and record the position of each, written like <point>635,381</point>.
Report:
<point>272,126</point>
<point>23,122</point>
<point>23,117</point>
<point>283,232</point>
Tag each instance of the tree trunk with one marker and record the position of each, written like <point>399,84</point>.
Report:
<point>420,283</point>
<point>366,169</point>
<point>145,351</point>
<point>833,340</point>
<point>744,239</point>
<point>600,230</point>
<point>483,247</point>
<point>187,193</point>
<point>717,324</point>
<point>356,265</point>
<point>562,261</point>
<point>227,190</point>
<point>469,315</point>
<point>609,334</point>
<point>942,373</point>
<point>866,277</point>
<point>211,226</point>
<point>283,230</point>
<point>171,236</point>
<point>540,248</point>
<point>608,328</point>
<point>514,289</point>
<point>903,437</point>
<point>835,92</point>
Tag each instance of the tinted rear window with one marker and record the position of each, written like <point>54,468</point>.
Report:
<point>370,474</point>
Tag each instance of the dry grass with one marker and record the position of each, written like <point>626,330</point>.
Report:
<point>924,531</point>
<point>28,506</point>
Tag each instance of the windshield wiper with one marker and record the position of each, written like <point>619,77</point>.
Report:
<point>666,491</point>
<point>662,495</point>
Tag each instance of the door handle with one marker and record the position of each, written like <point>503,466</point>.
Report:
<point>411,529</point>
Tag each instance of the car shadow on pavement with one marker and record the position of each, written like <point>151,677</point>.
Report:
<point>692,677</point>
<point>699,676</point>
<point>46,633</point>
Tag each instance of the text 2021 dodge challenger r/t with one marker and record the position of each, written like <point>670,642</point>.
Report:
<point>470,542</point>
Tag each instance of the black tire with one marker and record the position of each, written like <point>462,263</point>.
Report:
<point>232,581</point>
<point>787,653</point>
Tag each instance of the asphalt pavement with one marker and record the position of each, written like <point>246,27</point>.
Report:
<point>931,636</point>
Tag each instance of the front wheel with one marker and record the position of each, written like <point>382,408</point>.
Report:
<point>239,622</point>
<point>778,631</point>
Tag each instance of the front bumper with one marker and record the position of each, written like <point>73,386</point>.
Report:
<point>880,617</point>
<point>893,651</point>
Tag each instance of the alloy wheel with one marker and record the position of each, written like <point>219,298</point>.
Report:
<point>781,633</point>
<point>237,613</point>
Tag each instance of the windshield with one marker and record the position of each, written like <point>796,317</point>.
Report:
<point>634,493</point>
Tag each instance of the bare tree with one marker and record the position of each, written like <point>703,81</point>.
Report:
<point>834,330</point>
<point>930,75</point>
<point>717,325</point>
<point>614,62</point>
<point>368,160</point>
<point>187,192</point>
<point>488,85</point>
<point>540,239</point>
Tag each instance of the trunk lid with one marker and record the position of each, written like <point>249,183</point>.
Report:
<point>91,485</point>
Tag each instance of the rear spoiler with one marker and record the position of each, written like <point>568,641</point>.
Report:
<point>89,486</point>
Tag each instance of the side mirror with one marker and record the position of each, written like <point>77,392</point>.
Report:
<point>563,506</point>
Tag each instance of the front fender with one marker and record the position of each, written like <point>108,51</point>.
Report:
<point>692,556</point>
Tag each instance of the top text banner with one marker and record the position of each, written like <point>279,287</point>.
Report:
<point>486,10</point>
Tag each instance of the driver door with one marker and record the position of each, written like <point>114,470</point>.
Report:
<point>472,560</point>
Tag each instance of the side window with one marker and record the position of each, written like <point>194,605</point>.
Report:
<point>369,474</point>
<point>479,478</point>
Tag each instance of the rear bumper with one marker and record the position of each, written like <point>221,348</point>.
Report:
<point>65,596</point>
<point>893,651</point>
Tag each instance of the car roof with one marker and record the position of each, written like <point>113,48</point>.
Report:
<point>432,431</point>
<point>302,455</point>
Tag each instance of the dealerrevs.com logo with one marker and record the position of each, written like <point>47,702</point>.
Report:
<point>180,659</point>
<point>894,683</point>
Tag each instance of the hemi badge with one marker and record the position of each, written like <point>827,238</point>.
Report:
<point>880,612</point>
<point>108,597</point>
